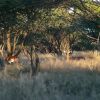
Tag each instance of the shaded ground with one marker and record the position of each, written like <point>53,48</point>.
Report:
<point>65,84</point>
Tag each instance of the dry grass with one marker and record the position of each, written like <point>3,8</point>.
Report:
<point>91,62</point>
<point>50,62</point>
<point>57,79</point>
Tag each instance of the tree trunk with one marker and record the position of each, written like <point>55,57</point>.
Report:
<point>68,54</point>
<point>98,41</point>
<point>1,50</point>
<point>37,62</point>
<point>65,48</point>
<point>9,43</point>
<point>14,44</point>
<point>31,60</point>
<point>35,65</point>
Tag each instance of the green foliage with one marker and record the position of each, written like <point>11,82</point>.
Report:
<point>83,43</point>
<point>33,38</point>
<point>36,17</point>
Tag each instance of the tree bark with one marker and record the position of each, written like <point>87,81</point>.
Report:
<point>9,43</point>
<point>31,60</point>
<point>37,62</point>
<point>35,65</point>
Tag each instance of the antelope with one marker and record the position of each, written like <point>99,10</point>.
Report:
<point>77,57</point>
<point>11,59</point>
<point>71,57</point>
<point>14,60</point>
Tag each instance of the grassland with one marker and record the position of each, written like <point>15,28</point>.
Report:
<point>56,80</point>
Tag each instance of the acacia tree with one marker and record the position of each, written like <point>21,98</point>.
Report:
<point>88,20</point>
<point>17,19</point>
<point>57,24</point>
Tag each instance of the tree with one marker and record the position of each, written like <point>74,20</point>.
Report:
<point>41,25</point>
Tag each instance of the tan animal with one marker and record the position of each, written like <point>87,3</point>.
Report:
<point>11,59</point>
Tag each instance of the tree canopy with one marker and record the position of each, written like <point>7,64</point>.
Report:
<point>48,23</point>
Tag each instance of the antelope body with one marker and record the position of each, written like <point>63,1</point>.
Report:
<point>11,59</point>
<point>77,58</point>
